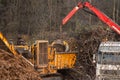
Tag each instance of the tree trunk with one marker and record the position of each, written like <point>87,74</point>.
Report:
<point>114,8</point>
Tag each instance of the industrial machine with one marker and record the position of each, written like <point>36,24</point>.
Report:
<point>44,57</point>
<point>108,56</point>
<point>49,58</point>
<point>108,61</point>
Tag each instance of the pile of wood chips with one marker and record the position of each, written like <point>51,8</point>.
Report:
<point>16,68</point>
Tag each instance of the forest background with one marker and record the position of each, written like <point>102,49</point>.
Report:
<point>41,19</point>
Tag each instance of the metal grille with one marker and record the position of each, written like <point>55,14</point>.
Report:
<point>110,79</point>
<point>110,72</point>
<point>43,53</point>
<point>109,47</point>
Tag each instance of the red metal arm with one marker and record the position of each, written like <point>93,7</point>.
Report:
<point>103,17</point>
<point>99,14</point>
<point>71,13</point>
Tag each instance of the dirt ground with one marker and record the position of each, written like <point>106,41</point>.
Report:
<point>15,68</point>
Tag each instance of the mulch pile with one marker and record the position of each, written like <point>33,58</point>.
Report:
<point>15,68</point>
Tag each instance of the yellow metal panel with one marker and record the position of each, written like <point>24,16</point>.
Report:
<point>65,60</point>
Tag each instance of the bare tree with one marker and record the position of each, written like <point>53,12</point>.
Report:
<point>117,14</point>
<point>114,9</point>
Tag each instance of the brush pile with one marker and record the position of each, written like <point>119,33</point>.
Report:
<point>87,43</point>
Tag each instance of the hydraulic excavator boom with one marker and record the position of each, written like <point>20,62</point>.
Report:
<point>114,26</point>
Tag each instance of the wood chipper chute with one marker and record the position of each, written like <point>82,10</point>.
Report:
<point>5,45</point>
